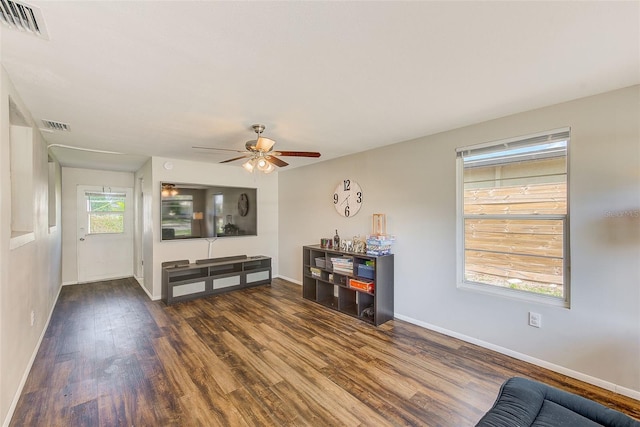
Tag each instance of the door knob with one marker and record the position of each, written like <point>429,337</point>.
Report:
<point>82,239</point>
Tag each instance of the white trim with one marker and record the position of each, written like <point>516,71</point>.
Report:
<point>288,279</point>
<point>53,229</point>
<point>514,294</point>
<point>23,381</point>
<point>68,283</point>
<point>634,394</point>
<point>459,220</point>
<point>21,240</point>
<point>140,281</point>
<point>512,139</point>
<point>104,279</point>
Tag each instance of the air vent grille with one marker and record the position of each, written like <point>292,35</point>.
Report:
<point>22,17</point>
<point>50,124</point>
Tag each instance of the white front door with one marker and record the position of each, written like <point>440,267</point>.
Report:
<point>105,233</point>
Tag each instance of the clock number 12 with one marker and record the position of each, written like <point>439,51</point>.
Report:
<point>347,185</point>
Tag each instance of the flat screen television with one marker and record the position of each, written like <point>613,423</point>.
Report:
<point>195,211</point>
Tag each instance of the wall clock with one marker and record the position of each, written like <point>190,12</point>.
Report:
<point>347,198</point>
<point>243,204</point>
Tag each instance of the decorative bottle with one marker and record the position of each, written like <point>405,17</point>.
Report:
<point>336,241</point>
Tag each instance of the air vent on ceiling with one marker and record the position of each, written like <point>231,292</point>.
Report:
<point>23,17</point>
<point>50,124</point>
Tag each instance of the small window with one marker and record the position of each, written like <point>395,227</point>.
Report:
<point>513,216</point>
<point>105,212</point>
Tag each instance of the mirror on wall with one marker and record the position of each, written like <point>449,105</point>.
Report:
<point>195,211</point>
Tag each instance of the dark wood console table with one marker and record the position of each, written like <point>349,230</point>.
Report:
<point>182,281</point>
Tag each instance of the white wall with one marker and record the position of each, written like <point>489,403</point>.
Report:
<point>414,183</point>
<point>30,276</point>
<point>71,178</point>
<point>265,243</point>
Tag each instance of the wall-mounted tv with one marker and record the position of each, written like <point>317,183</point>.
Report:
<point>195,211</point>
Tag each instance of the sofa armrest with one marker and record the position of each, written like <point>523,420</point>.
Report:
<point>521,402</point>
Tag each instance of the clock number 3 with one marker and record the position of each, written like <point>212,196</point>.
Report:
<point>359,199</point>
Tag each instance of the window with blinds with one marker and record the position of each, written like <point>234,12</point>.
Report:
<point>513,216</point>
<point>105,212</point>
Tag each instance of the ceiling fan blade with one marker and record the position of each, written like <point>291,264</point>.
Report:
<point>297,153</point>
<point>276,161</point>
<point>234,159</point>
<point>264,144</point>
<point>214,148</point>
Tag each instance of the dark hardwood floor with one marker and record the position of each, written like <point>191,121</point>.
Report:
<point>261,356</point>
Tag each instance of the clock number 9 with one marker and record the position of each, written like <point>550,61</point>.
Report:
<point>359,199</point>
<point>335,198</point>
<point>346,211</point>
<point>347,185</point>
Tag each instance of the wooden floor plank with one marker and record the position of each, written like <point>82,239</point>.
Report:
<point>257,357</point>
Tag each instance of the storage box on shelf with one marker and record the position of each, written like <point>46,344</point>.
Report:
<point>379,245</point>
<point>366,271</point>
<point>182,281</point>
<point>356,284</point>
<point>361,285</point>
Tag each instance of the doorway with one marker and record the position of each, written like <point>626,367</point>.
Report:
<point>104,233</point>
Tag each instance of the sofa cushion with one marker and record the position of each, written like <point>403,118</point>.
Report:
<point>524,403</point>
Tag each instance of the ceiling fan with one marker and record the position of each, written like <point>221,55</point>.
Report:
<point>260,153</point>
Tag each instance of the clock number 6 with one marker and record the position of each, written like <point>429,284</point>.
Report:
<point>347,185</point>
<point>335,198</point>
<point>346,211</point>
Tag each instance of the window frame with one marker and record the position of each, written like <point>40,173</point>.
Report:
<point>517,294</point>
<point>90,212</point>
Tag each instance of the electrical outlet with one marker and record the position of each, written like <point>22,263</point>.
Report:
<point>535,319</point>
<point>33,317</point>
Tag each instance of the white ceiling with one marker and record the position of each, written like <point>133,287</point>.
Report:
<point>156,78</point>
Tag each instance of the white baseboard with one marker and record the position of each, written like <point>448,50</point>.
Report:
<point>288,279</point>
<point>23,381</point>
<point>140,281</point>
<point>71,282</point>
<point>634,394</point>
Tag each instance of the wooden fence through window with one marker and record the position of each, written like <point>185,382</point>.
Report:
<point>516,248</point>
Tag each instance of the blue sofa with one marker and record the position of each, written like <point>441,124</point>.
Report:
<point>523,403</point>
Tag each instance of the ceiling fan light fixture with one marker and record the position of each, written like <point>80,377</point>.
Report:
<point>264,144</point>
<point>262,164</point>
<point>270,168</point>
<point>249,165</point>
<point>169,190</point>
